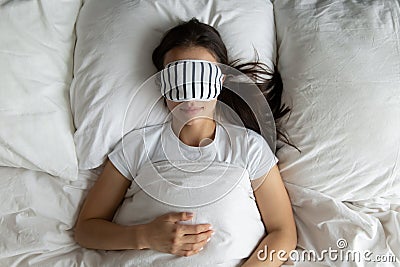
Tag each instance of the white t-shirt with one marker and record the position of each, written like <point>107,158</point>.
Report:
<point>169,176</point>
<point>232,145</point>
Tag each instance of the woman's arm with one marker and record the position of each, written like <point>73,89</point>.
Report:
<point>95,229</point>
<point>276,212</point>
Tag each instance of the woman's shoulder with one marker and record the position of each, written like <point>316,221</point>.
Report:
<point>142,135</point>
<point>240,131</point>
<point>144,131</point>
<point>244,138</point>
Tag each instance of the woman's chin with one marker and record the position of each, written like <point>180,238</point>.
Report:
<point>189,120</point>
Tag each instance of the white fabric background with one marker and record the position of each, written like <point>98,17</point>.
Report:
<point>113,57</point>
<point>329,51</point>
<point>36,48</point>
<point>340,66</point>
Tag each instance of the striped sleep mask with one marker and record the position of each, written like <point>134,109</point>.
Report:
<point>186,80</point>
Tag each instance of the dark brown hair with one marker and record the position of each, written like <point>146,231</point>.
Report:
<point>194,33</point>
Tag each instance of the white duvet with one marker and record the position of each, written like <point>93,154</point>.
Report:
<point>38,213</point>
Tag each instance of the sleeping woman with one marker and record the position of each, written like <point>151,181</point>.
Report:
<point>213,228</point>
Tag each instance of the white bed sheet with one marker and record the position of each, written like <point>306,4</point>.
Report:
<point>38,213</point>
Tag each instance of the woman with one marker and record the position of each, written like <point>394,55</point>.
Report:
<point>194,125</point>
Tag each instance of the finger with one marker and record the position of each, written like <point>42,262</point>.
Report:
<point>178,216</point>
<point>196,238</point>
<point>192,229</point>
<point>187,253</point>
<point>195,246</point>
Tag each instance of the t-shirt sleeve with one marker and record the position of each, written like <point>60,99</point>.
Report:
<point>126,156</point>
<point>261,158</point>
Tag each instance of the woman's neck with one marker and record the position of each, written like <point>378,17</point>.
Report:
<point>199,132</point>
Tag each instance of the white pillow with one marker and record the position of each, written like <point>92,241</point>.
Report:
<point>36,53</point>
<point>115,40</point>
<point>340,69</point>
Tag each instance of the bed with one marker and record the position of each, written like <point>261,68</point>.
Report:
<point>68,67</point>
